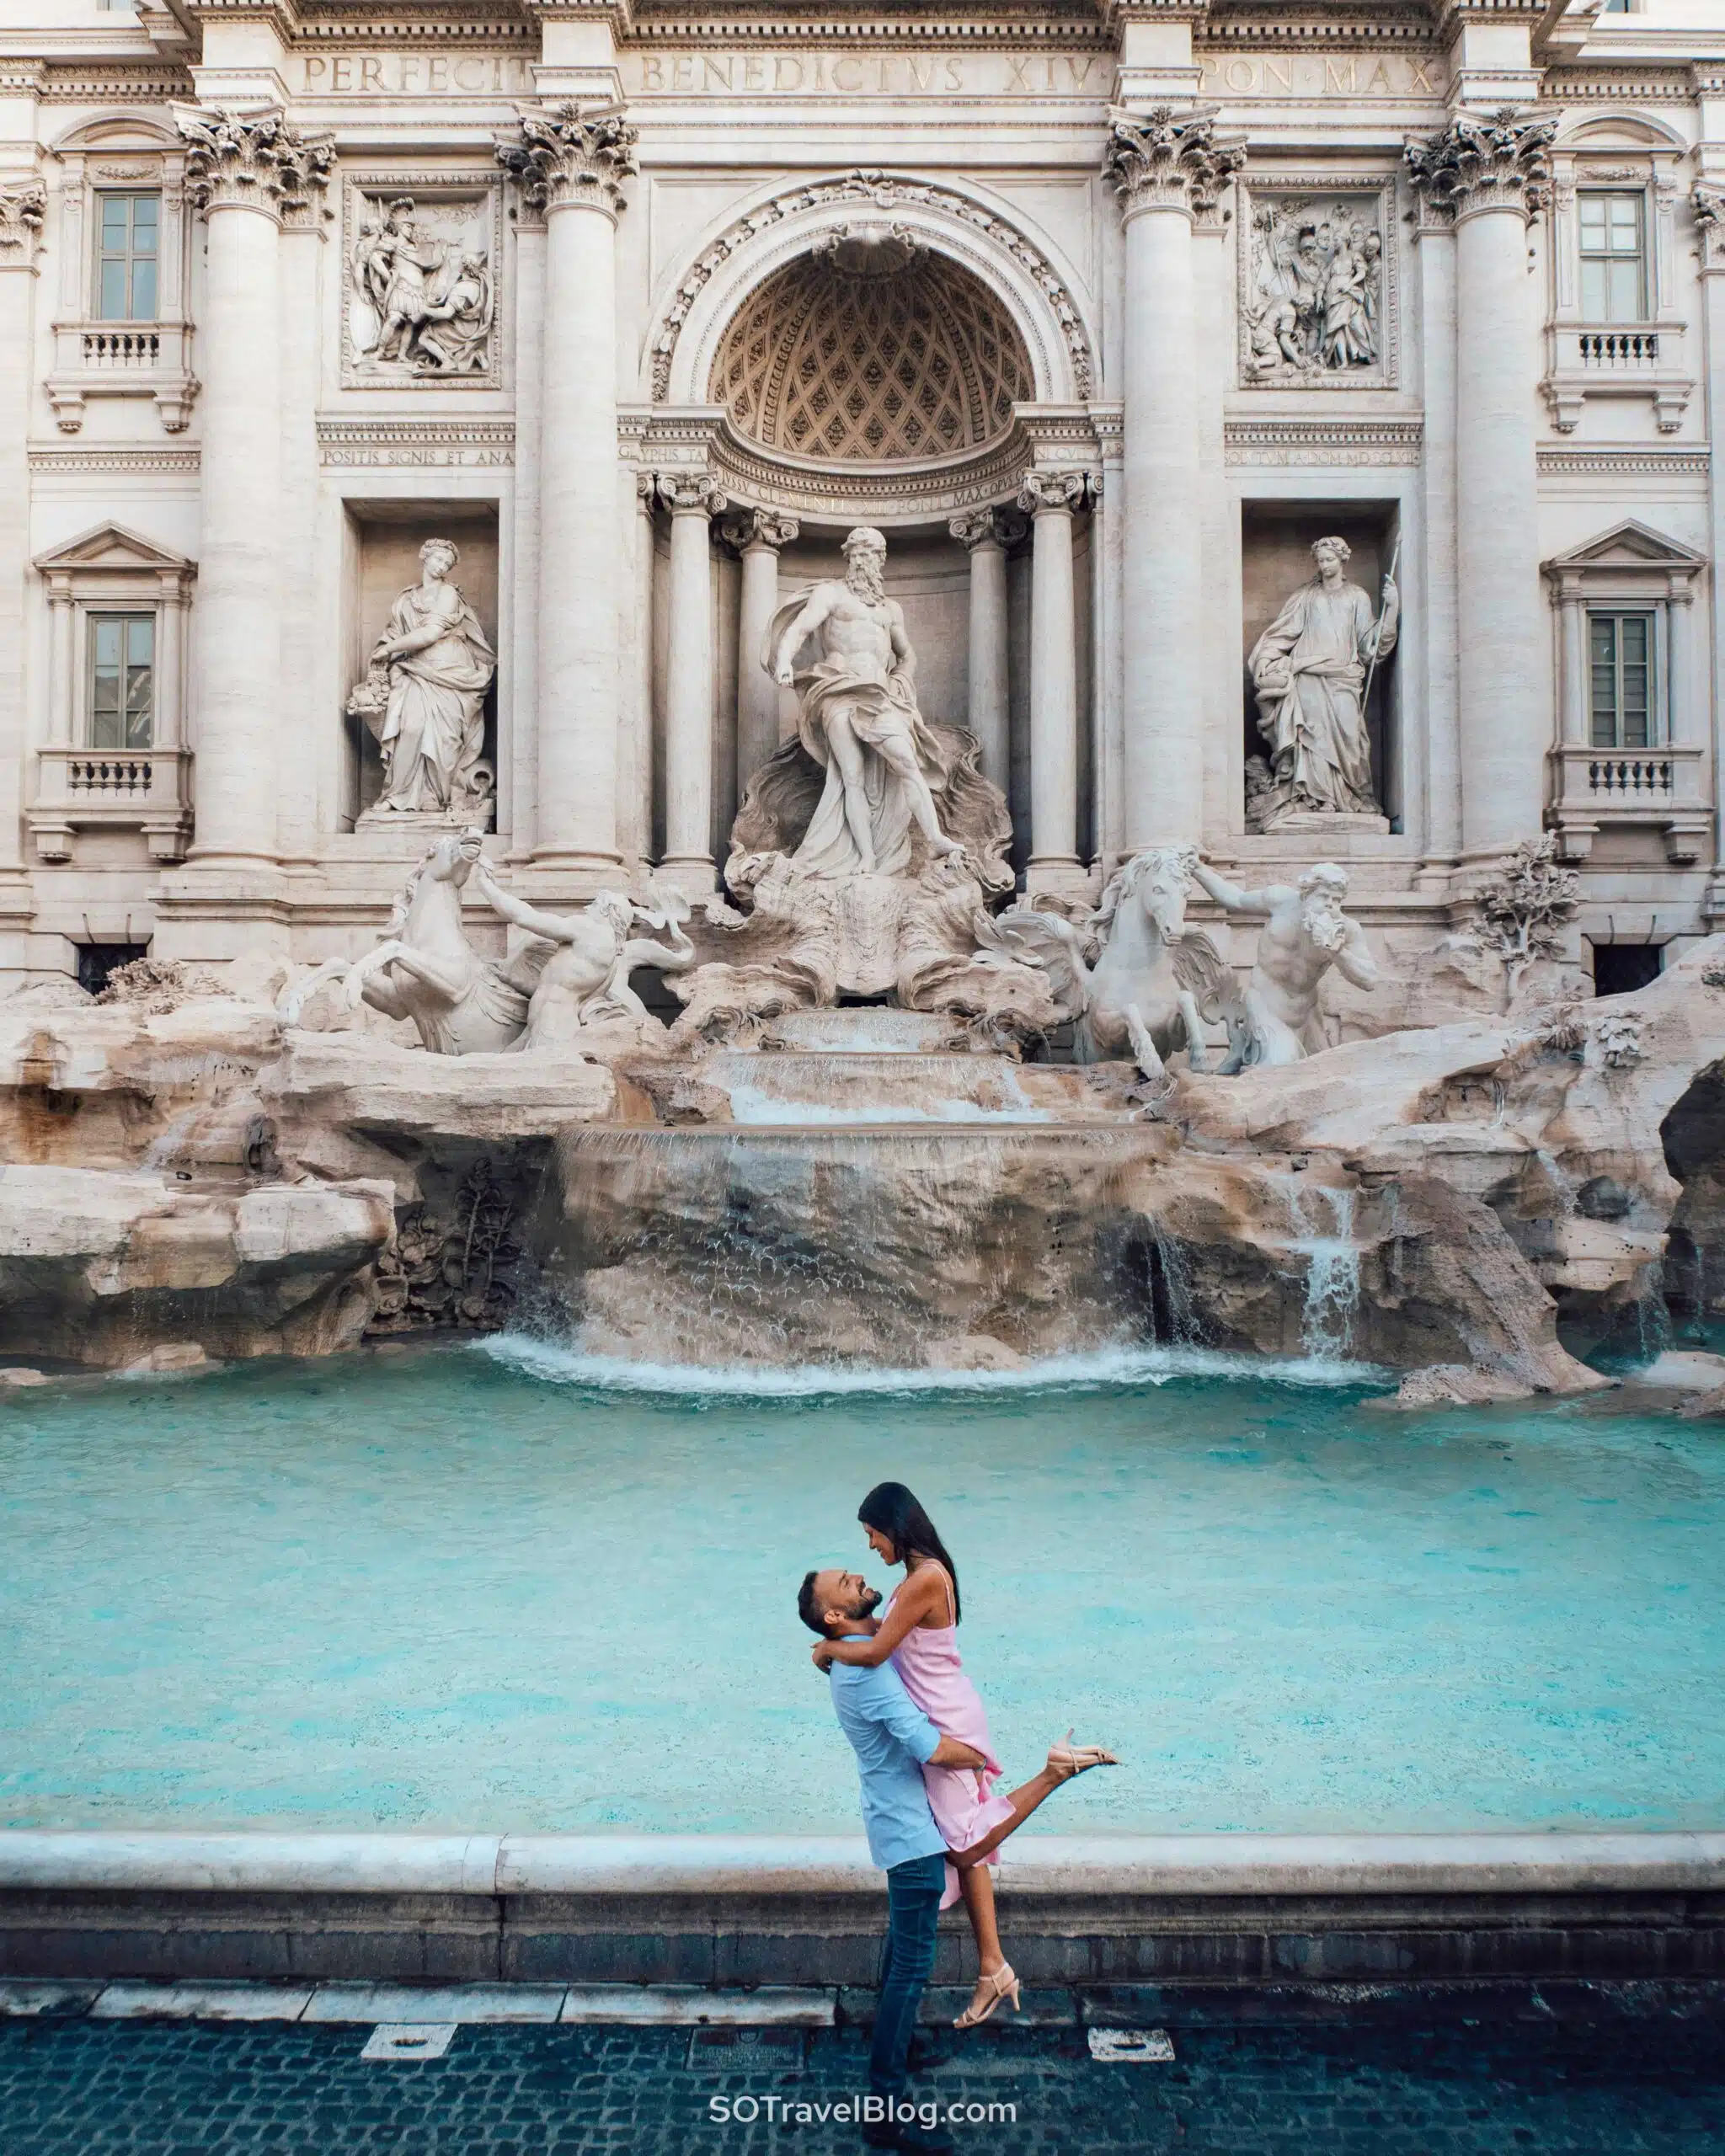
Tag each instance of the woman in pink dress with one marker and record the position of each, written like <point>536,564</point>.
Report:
<point>920,1633</point>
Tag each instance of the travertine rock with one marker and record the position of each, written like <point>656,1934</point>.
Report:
<point>101,1267</point>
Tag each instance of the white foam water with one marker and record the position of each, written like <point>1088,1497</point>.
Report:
<point>1102,1369</point>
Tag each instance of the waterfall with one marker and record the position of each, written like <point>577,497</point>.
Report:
<point>1332,1267</point>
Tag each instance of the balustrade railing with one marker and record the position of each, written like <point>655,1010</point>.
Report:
<point>1646,775</point>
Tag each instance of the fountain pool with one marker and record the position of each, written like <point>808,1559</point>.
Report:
<point>501,1587</point>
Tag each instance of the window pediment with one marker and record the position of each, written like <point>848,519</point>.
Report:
<point>111,548</point>
<point>1629,545</point>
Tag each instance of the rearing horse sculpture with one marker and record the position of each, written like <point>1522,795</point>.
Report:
<point>425,970</point>
<point>1154,981</point>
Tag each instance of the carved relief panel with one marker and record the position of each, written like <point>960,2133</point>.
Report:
<point>419,277</point>
<point>1317,285</point>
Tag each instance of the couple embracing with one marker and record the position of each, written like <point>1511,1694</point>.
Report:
<point>919,1732</point>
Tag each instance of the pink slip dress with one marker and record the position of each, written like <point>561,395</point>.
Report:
<point>928,1661</point>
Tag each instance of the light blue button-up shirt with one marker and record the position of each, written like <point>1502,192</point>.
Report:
<point>892,1738</point>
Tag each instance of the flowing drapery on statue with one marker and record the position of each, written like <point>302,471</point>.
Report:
<point>424,698</point>
<point>1309,669</point>
<point>857,717</point>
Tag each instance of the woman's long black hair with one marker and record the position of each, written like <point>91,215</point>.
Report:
<point>890,1510</point>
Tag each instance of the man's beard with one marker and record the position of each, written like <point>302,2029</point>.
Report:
<point>867,578</point>
<point>867,1603</point>
<point>1323,921</point>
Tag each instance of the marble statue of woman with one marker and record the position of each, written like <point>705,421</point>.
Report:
<point>1309,669</point>
<point>431,727</point>
<point>859,718</point>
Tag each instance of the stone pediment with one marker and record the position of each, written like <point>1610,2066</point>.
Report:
<point>111,546</point>
<point>1627,545</point>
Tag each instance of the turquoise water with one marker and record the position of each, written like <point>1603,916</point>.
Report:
<point>500,1588</point>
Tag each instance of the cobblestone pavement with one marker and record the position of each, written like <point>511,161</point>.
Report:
<point>1640,2084</point>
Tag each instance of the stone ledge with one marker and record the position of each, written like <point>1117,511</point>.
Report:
<point>64,1860</point>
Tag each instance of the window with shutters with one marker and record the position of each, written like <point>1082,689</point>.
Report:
<point>1613,254</point>
<point>1620,658</point>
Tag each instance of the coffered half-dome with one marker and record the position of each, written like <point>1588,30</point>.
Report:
<point>873,350</point>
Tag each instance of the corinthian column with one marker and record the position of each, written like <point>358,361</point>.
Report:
<point>1164,167</point>
<point>571,165</point>
<point>1490,173</point>
<point>1049,499</point>
<point>985,534</point>
<point>23,206</point>
<point>242,171</point>
<point>692,498</point>
<point>1709,205</point>
<point>758,535</point>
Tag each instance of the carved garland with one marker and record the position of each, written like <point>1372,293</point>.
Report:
<point>870,185</point>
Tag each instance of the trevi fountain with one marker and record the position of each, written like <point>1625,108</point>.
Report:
<point>743,755</point>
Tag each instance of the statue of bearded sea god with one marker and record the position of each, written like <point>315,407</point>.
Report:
<point>1305,933</point>
<point>1310,669</point>
<point>859,718</point>
<point>423,698</point>
<point>866,844</point>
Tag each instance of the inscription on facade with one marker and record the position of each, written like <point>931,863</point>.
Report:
<point>823,72</point>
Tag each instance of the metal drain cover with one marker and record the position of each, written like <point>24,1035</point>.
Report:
<point>1131,2046</point>
<point>765,2051</point>
<point>403,2041</point>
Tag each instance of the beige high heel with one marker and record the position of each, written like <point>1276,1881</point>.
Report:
<point>1002,1984</point>
<point>1077,1758</point>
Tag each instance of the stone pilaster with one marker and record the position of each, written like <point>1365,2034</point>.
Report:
<point>1489,173</point>
<point>985,534</point>
<point>570,163</point>
<point>1165,167</point>
<point>1708,203</point>
<point>693,499</point>
<point>756,536</point>
<point>23,205</point>
<point>245,171</point>
<point>1049,499</point>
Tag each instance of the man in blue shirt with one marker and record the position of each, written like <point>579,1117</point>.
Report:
<point>892,1740</point>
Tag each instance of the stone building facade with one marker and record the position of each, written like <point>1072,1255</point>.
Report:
<point>1103,310</point>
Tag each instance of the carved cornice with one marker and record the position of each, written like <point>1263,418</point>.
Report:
<point>689,493</point>
<point>88,82</point>
<point>1052,490</point>
<point>251,160</point>
<point>1605,460</point>
<point>567,156</point>
<point>759,527</point>
<point>1709,206</point>
<point>1169,161</point>
<point>1477,163</point>
<point>1633,83</point>
<point>24,204</point>
<point>1344,443</point>
<point>994,526</point>
<point>117,458</point>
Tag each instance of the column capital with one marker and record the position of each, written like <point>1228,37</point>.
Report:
<point>1708,203</point>
<point>1064,491</point>
<point>692,494</point>
<point>569,156</point>
<point>1169,160</point>
<point>1001,526</point>
<point>24,204</point>
<point>251,160</point>
<point>1496,161</point>
<point>751,528</point>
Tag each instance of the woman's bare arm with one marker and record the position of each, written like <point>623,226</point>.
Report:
<point>916,1598</point>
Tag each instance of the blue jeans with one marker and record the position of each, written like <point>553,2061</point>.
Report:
<point>913,1892</point>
